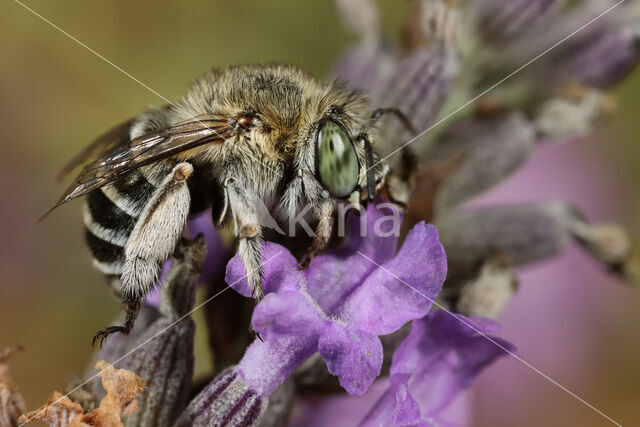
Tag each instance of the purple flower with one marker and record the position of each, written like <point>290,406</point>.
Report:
<point>340,305</point>
<point>440,357</point>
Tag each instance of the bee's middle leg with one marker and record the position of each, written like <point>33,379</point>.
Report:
<point>248,228</point>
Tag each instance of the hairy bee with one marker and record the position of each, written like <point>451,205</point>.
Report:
<point>242,136</point>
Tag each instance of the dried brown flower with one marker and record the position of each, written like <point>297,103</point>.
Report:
<point>122,387</point>
<point>11,401</point>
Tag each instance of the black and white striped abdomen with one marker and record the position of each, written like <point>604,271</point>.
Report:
<point>110,213</point>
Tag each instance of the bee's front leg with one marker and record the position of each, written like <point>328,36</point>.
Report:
<point>154,238</point>
<point>322,207</point>
<point>248,228</point>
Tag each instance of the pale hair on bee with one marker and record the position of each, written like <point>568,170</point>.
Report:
<point>243,136</point>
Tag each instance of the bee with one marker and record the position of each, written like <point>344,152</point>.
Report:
<point>242,136</point>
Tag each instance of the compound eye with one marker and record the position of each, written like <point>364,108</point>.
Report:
<point>337,161</point>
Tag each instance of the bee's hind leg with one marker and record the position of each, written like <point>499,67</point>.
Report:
<point>132,308</point>
<point>154,238</point>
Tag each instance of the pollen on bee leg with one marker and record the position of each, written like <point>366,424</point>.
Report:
<point>248,230</point>
<point>182,171</point>
<point>243,208</point>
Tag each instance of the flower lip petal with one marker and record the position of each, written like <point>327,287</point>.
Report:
<point>287,313</point>
<point>355,357</point>
<point>335,275</point>
<point>441,356</point>
<point>403,289</point>
<point>279,270</point>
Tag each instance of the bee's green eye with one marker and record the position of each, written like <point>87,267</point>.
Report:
<point>336,160</point>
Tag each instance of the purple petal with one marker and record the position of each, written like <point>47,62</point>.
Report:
<point>286,313</point>
<point>403,289</point>
<point>267,364</point>
<point>290,326</point>
<point>279,269</point>
<point>355,357</point>
<point>333,276</point>
<point>441,356</point>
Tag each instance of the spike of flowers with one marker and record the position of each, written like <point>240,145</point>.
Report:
<point>363,309</point>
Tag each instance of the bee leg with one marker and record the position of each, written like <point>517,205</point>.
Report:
<point>250,249</point>
<point>132,308</point>
<point>322,207</point>
<point>156,233</point>
<point>322,236</point>
<point>153,239</point>
<point>248,228</point>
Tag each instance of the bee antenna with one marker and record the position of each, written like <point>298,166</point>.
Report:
<point>377,114</point>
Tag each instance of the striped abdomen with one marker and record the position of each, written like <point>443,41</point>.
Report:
<point>110,213</point>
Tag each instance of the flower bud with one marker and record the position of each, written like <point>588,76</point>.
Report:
<point>489,150</point>
<point>523,232</point>
<point>227,400</point>
<point>487,294</point>
<point>360,16</point>
<point>280,405</point>
<point>574,114</point>
<point>160,348</point>
<point>502,22</point>
<point>529,232</point>
<point>606,60</point>
<point>613,246</point>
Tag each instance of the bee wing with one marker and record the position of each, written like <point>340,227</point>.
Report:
<point>114,137</point>
<point>146,149</point>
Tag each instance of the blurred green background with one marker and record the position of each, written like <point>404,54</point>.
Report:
<point>57,96</point>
